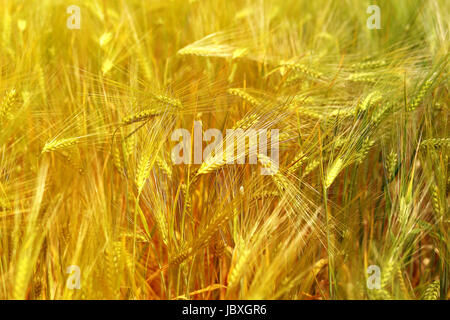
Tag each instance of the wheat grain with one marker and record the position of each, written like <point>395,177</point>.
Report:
<point>143,170</point>
<point>391,163</point>
<point>333,171</point>
<point>58,144</point>
<point>237,269</point>
<point>432,291</point>
<point>161,223</point>
<point>436,142</point>
<point>7,104</point>
<point>310,167</point>
<point>162,164</point>
<point>303,69</point>
<point>371,99</point>
<point>420,95</point>
<point>436,202</point>
<point>370,64</point>
<point>363,77</point>
<point>141,116</point>
<point>265,194</point>
<point>364,150</point>
<point>244,95</point>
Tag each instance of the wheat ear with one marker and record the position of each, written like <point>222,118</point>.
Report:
<point>57,144</point>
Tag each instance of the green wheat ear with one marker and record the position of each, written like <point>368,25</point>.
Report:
<point>432,291</point>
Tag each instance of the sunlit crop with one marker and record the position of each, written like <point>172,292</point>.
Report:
<point>95,205</point>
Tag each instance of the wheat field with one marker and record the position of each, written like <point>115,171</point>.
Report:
<point>93,206</point>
